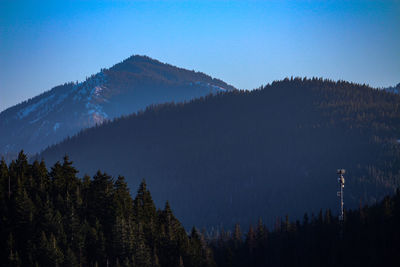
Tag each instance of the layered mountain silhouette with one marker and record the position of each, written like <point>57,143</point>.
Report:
<point>239,155</point>
<point>127,87</point>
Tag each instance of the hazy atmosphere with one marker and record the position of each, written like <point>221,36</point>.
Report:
<point>245,43</point>
<point>199,133</point>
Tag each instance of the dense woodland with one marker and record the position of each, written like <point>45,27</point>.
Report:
<point>369,236</point>
<point>230,157</point>
<point>57,219</point>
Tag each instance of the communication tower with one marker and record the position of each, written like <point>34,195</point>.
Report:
<point>340,193</point>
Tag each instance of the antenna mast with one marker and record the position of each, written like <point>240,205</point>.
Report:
<point>340,193</point>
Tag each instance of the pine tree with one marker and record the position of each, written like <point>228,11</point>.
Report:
<point>144,212</point>
<point>251,240</point>
<point>56,256</point>
<point>195,248</point>
<point>41,179</point>
<point>4,199</point>
<point>261,233</point>
<point>122,199</point>
<point>154,260</point>
<point>122,241</point>
<point>142,251</point>
<point>237,237</point>
<point>4,182</point>
<point>13,257</point>
<point>21,165</point>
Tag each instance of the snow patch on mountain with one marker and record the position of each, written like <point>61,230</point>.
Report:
<point>215,88</point>
<point>90,92</point>
<point>49,107</point>
<point>95,109</point>
<point>85,89</point>
<point>39,109</point>
<point>97,90</point>
<point>33,107</point>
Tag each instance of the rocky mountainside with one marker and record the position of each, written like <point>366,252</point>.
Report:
<point>127,87</point>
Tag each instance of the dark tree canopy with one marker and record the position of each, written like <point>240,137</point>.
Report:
<point>369,236</point>
<point>57,219</point>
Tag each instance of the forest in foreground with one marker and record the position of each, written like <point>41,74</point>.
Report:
<point>54,218</point>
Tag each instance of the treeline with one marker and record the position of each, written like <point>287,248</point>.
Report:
<point>369,236</point>
<point>57,219</point>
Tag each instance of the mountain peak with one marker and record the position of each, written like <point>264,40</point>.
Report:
<point>141,58</point>
<point>125,88</point>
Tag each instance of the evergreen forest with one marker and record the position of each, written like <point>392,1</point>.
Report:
<point>57,219</point>
<point>227,158</point>
<point>54,218</point>
<point>369,236</point>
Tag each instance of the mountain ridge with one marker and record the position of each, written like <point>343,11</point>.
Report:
<point>241,151</point>
<point>125,88</point>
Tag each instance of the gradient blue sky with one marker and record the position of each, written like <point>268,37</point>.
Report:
<point>245,43</point>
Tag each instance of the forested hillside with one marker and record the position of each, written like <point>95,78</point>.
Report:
<point>239,155</point>
<point>369,236</point>
<point>57,219</point>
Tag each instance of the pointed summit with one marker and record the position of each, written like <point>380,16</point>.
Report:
<point>125,88</point>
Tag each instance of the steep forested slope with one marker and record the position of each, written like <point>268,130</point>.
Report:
<point>239,155</point>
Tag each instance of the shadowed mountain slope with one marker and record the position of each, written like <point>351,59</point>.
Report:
<point>238,155</point>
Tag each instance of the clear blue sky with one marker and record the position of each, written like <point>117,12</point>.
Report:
<point>245,43</point>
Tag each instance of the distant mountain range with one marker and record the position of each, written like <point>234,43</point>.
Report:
<point>127,87</point>
<point>235,156</point>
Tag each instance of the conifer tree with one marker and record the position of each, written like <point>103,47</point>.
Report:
<point>145,213</point>
<point>122,199</point>
<point>142,251</point>
<point>251,240</point>
<point>237,236</point>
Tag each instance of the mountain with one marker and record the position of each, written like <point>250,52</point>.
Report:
<point>235,156</point>
<point>127,87</point>
<point>393,89</point>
